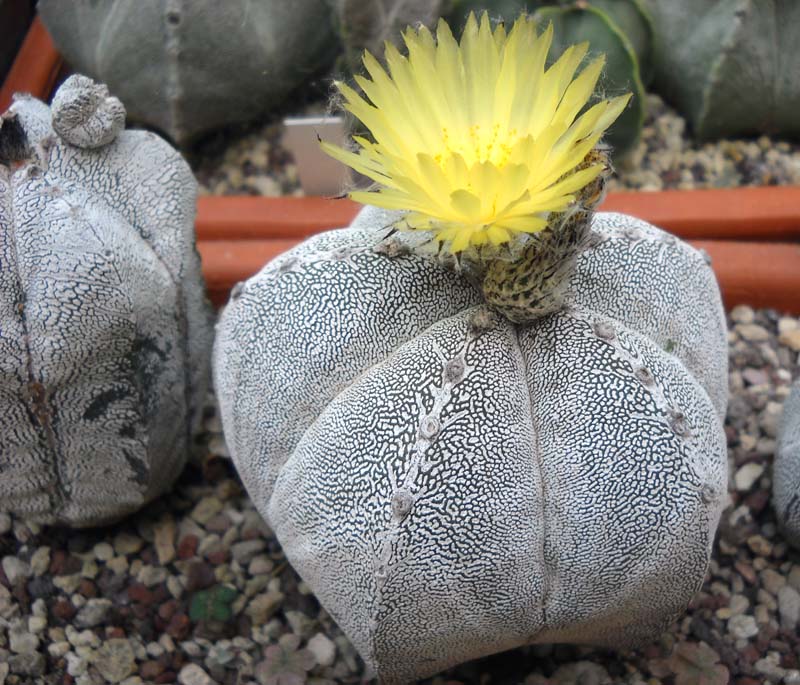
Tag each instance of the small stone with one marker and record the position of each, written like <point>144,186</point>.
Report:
<point>36,624</point>
<point>40,561</point>
<point>93,613</point>
<point>790,339</point>
<point>164,540</point>
<point>15,569</point>
<point>33,664</point>
<point>262,607</point>
<point>743,314</point>
<point>119,565</point>
<point>323,649</point>
<point>174,586</point>
<point>68,584</point>
<point>260,565</point>
<point>753,332</point>
<point>300,624</point>
<point>103,551</point>
<point>759,545</point>
<point>63,609</point>
<point>789,607</point>
<point>115,660</point>
<point>788,323</point>
<point>125,543</point>
<point>206,509</point>
<point>747,476</point>
<point>151,576</point>
<point>21,641</point>
<point>794,577</point>
<point>192,674</point>
<point>58,649</point>
<point>743,627</point>
<point>243,552</point>
<point>772,581</point>
<point>5,523</point>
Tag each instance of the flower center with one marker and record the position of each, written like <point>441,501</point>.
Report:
<point>478,144</point>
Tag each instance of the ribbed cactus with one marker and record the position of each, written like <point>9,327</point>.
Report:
<point>621,29</point>
<point>366,24</point>
<point>786,475</point>
<point>105,333</point>
<point>451,484</point>
<point>597,24</point>
<point>188,67</point>
<point>730,67</point>
<point>485,419</point>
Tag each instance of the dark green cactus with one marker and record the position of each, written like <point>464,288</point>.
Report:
<point>583,22</point>
<point>730,67</point>
<point>213,604</point>
<point>622,29</point>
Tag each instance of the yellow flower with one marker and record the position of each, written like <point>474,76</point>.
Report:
<point>477,140</point>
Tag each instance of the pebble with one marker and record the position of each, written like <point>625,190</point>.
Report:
<point>32,664</point>
<point>243,552</point>
<point>5,523</point>
<point>747,476</point>
<point>743,626</point>
<point>772,580</point>
<point>151,575</point>
<point>789,607</point>
<point>115,660</point>
<point>93,613</point>
<point>40,561</point>
<point>125,543</point>
<point>323,649</point>
<point>742,314</point>
<point>21,641</point>
<point>206,509</point>
<point>103,551</point>
<point>790,339</point>
<point>262,607</point>
<point>753,332</point>
<point>759,545</point>
<point>192,674</point>
<point>15,569</point>
<point>164,533</point>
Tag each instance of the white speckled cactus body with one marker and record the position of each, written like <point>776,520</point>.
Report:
<point>105,333</point>
<point>786,477</point>
<point>451,484</point>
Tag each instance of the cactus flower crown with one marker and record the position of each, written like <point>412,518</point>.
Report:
<point>477,140</point>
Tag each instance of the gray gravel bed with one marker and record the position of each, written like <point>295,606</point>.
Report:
<point>196,589</point>
<point>252,160</point>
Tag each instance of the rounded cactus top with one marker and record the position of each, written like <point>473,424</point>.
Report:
<point>479,140</point>
<point>85,114</point>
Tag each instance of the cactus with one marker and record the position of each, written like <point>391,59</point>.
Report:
<point>730,67</point>
<point>786,477</point>
<point>366,24</point>
<point>188,67</point>
<point>580,22</point>
<point>452,485</point>
<point>104,330</point>
<point>459,418</point>
<point>621,29</point>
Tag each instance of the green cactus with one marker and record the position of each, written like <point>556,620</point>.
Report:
<point>583,22</point>
<point>620,28</point>
<point>730,66</point>
<point>213,604</point>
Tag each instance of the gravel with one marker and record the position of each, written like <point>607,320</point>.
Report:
<point>252,160</point>
<point>195,588</point>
